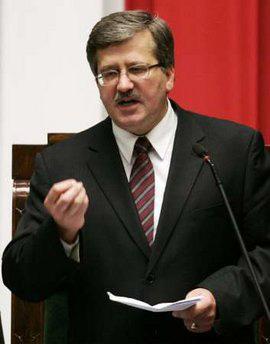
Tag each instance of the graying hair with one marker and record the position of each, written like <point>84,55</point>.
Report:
<point>118,27</point>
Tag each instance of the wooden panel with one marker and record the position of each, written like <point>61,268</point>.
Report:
<point>23,160</point>
<point>264,331</point>
<point>27,321</point>
<point>54,138</point>
<point>27,318</point>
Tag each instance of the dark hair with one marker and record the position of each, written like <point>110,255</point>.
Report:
<point>121,26</point>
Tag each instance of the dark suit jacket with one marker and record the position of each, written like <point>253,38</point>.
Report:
<point>195,245</point>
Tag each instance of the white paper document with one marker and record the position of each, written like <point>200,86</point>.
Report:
<point>160,307</point>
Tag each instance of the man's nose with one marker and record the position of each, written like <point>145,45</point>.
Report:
<point>124,83</point>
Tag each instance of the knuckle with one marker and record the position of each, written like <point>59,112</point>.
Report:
<point>56,187</point>
<point>64,198</point>
<point>77,202</point>
<point>79,185</point>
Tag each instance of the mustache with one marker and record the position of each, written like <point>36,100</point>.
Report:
<point>123,95</point>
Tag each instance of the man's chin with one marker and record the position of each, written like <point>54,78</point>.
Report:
<point>135,127</point>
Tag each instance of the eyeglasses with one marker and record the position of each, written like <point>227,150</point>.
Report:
<point>134,73</point>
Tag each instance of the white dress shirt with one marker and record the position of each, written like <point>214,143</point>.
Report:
<point>162,139</point>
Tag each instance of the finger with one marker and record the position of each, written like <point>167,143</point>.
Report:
<point>79,204</point>
<point>67,198</point>
<point>200,329</point>
<point>198,311</point>
<point>204,320</point>
<point>185,314</point>
<point>57,189</point>
<point>196,327</point>
<point>201,322</point>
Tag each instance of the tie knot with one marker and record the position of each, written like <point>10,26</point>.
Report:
<point>142,145</point>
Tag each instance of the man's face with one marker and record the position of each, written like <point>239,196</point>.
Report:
<point>136,106</point>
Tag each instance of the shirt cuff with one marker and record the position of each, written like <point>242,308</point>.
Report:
<point>72,250</point>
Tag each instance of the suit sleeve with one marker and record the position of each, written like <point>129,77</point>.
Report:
<point>35,264</point>
<point>233,287</point>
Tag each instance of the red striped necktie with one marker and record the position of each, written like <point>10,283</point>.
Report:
<point>142,185</point>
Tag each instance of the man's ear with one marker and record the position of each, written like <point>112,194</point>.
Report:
<point>169,72</point>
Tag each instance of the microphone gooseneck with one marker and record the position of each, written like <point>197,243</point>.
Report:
<point>202,153</point>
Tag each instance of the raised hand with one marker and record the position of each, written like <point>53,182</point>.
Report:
<point>67,203</point>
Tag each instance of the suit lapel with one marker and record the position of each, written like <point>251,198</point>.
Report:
<point>107,168</point>
<point>184,169</point>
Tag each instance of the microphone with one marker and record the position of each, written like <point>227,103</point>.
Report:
<point>202,153</point>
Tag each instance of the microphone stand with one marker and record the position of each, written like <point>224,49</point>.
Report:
<point>201,152</point>
<point>207,159</point>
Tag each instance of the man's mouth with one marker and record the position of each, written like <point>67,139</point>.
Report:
<point>127,99</point>
<point>127,102</point>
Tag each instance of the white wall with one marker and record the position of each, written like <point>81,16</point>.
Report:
<point>45,85</point>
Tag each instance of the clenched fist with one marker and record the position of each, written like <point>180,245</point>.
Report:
<point>67,203</point>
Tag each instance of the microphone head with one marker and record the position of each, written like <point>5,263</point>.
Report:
<point>199,150</point>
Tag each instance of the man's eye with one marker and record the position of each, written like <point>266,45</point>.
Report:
<point>137,70</point>
<point>110,74</point>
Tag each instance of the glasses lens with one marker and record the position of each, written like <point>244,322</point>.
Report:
<point>109,77</point>
<point>139,72</point>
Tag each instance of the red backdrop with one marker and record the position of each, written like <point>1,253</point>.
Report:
<point>222,56</point>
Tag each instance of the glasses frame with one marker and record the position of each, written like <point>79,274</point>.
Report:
<point>99,77</point>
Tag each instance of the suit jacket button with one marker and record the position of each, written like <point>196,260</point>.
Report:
<point>150,278</point>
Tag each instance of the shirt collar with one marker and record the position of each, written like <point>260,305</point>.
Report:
<point>160,136</point>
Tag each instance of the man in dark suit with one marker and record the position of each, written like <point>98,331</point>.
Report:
<point>143,218</point>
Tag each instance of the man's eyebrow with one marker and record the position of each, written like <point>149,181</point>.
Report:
<point>108,67</point>
<point>116,67</point>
